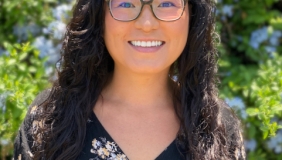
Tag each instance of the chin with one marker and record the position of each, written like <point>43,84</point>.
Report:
<point>149,69</point>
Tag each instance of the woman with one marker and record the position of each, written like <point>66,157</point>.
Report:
<point>137,82</point>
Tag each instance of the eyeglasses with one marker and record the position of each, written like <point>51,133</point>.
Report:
<point>129,10</point>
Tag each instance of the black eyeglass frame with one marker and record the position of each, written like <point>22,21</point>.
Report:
<point>148,3</point>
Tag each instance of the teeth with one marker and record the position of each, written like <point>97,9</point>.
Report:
<point>146,43</point>
<point>149,44</point>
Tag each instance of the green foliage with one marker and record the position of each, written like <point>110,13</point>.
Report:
<point>251,67</point>
<point>23,76</point>
<point>22,13</point>
<point>22,71</point>
<point>266,92</point>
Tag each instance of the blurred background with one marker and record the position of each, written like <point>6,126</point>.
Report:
<point>250,65</point>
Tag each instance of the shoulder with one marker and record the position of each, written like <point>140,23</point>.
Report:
<point>34,108</point>
<point>24,139</point>
<point>228,118</point>
<point>233,130</point>
<point>227,115</point>
<point>40,98</point>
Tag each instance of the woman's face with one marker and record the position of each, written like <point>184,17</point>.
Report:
<point>121,39</point>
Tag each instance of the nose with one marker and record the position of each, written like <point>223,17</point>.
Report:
<point>146,20</point>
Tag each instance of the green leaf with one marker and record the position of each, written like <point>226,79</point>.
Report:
<point>265,134</point>
<point>22,56</point>
<point>22,67</point>
<point>252,111</point>
<point>11,62</point>
<point>277,108</point>
<point>32,69</point>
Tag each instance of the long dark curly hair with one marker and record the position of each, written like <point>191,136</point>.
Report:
<point>86,64</point>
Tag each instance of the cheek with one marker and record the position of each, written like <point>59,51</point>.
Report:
<point>113,34</point>
<point>110,30</point>
<point>115,39</point>
<point>182,28</point>
<point>178,33</point>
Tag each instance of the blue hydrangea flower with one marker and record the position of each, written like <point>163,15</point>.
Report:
<point>275,143</point>
<point>250,144</point>
<point>258,36</point>
<point>238,105</point>
<point>227,10</point>
<point>60,13</point>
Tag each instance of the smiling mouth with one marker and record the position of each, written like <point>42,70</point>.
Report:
<point>147,43</point>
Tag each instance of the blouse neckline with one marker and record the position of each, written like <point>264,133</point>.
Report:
<point>95,119</point>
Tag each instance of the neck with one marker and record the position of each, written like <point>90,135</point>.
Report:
<point>139,91</point>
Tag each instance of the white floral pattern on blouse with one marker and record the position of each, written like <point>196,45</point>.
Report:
<point>106,150</point>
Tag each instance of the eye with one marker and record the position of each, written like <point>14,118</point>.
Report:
<point>166,4</point>
<point>126,5</point>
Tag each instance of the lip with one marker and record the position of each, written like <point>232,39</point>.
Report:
<point>147,49</point>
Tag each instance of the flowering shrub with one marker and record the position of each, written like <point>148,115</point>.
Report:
<point>23,76</point>
<point>25,69</point>
<point>21,21</point>
<point>250,65</point>
<point>251,71</point>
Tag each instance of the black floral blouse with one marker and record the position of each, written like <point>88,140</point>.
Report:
<point>98,145</point>
<point>101,146</point>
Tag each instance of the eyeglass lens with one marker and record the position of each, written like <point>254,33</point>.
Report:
<point>126,10</point>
